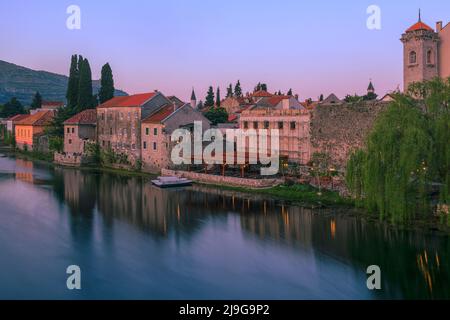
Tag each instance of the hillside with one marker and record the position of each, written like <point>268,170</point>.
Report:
<point>22,83</point>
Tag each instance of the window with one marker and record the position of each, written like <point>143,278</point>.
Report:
<point>133,146</point>
<point>255,124</point>
<point>145,145</point>
<point>245,125</point>
<point>68,130</point>
<point>280,125</point>
<point>266,124</point>
<point>429,56</point>
<point>412,57</point>
<point>73,130</point>
<point>154,145</point>
<point>110,131</point>
<point>292,125</point>
<point>70,141</point>
<point>155,131</point>
<point>103,143</point>
<point>147,131</point>
<point>103,116</point>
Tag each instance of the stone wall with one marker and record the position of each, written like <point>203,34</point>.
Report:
<point>223,180</point>
<point>339,129</point>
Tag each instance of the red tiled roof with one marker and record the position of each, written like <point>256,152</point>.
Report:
<point>40,118</point>
<point>261,94</point>
<point>53,103</point>
<point>88,116</point>
<point>276,100</point>
<point>18,117</point>
<point>232,117</point>
<point>419,26</point>
<point>128,101</point>
<point>160,115</point>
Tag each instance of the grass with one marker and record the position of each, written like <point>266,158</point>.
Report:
<point>297,193</point>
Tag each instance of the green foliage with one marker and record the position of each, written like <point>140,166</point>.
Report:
<point>72,86</point>
<point>230,91</point>
<point>321,164</point>
<point>85,97</point>
<point>107,84</point>
<point>407,155</point>
<point>217,115</point>
<point>350,99</point>
<point>56,143</point>
<point>289,92</point>
<point>37,101</point>
<point>92,150</point>
<point>209,100</point>
<point>370,96</point>
<point>321,97</point>
<point>109,157</point>
<point>11,108</point>
<point>218,97</point>
<point>238,89</point>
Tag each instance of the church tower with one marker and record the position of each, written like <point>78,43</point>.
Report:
<point>193,99</point>
<point>420,54</point>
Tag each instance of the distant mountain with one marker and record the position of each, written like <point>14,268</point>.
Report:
<point>22,83</point>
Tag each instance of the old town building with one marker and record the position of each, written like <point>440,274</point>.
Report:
<point>29,131</point>
<point>119,122</point>
<point>156,133</point>
<point>426,52</point>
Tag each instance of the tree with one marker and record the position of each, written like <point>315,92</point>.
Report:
<point>11,108</point>
<point>238,89</point>
<point>85,98</point>
<point>218,97</point>
<point>407,155</point>
<point>289,92</point>
<point>209,100</point>
<point>37,101</point>
<point>200,105</point>
<point>72,86</point>
<point>352,99</point>
<point>263,87</point>
<point>107,84</point>
<point>217,115</point>
<point>258,87</point>
<point>230,91</point>
<point>321,97</point>
<point>370,96</point>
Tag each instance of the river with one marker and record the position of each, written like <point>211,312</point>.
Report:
<point>134,241</point>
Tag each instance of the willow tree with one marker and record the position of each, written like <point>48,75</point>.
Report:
<point>406,156</point>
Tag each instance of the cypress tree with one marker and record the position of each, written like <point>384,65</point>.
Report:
<point>37,101</point>
<point>107,84</point>
<point>72,85</point>
<point>264,87</point>
<point>85,98</point>
<point>289,92</point>
<point>230,91</point>
<point>238,89</point>
<point>209,100</point>
<point>218,97</point>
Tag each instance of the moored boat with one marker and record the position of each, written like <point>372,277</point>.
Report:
<point>169,182</point>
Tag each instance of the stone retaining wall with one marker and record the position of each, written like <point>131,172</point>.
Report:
<point>223,180</point>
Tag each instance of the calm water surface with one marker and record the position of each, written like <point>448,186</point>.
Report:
<point>134,241</point>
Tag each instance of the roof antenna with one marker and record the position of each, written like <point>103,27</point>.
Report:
<point>420,19</point>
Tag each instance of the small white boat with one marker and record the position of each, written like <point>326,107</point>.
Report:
<point>169,182</point>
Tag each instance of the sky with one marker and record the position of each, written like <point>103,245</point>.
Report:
<point>314,47</point>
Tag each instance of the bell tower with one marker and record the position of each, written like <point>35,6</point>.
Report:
<point>420,53</point>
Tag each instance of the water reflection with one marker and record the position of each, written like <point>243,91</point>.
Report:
<point>413,264</point>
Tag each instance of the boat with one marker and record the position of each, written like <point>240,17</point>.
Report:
<point>170,182</point>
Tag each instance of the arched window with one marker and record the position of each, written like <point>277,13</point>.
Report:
<point>429,56</point>
<point>412,57</point>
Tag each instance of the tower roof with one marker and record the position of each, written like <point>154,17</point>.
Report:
<point>193,95</point>
<point>419,25</point>
<point>371,88</point>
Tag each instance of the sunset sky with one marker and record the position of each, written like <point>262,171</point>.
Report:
<point>173,45</point>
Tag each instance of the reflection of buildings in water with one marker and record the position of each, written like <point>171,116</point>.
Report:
<point>24,170</point>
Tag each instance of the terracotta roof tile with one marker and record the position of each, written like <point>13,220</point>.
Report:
<point>18,117</point>
<point>40,118</point>
<point>160,115</point>
<point>128,101</point>
<point>419,26</point>
<point>261,94</point>
<point>88,116</point>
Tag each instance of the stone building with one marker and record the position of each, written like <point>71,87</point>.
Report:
<point>119,122</point>
<point>79,130</point>
<point>156,133</point>
<point>29,131</point>
<point>426,52</point>
<point>293,126</point>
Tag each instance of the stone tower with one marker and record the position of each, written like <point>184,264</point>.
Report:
<point>193,99</point>
<point>420,53</point>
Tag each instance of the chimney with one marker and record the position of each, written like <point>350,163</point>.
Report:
<point>438,26</point>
